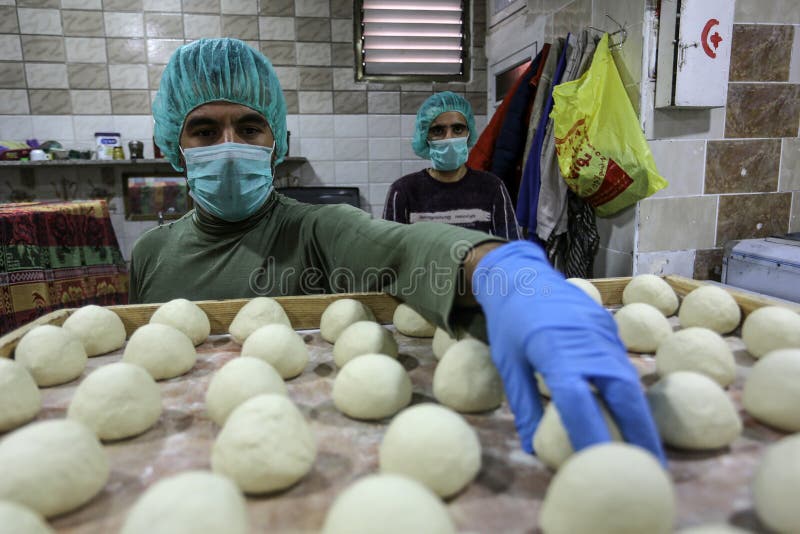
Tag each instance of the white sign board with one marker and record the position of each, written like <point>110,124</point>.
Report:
<point>694,53</point>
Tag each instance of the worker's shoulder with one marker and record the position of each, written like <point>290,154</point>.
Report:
<point>156,237</point>
<point>291,208</point>
<point>411,180</point>
<point>485,177</point>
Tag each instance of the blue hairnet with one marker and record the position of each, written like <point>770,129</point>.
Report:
<point>435,105</point>
<point>216,69</point>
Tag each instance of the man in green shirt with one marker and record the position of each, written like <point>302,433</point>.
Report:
<point>220,117</point>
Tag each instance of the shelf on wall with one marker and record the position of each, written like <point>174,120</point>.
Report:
<point>291,160</point>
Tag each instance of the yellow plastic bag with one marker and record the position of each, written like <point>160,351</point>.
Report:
<point>602,152</point>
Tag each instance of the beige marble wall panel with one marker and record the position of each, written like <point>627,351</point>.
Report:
<point>762,110</point>
<point>751,216</point>
<point>682,164</point>
<point>681,223</point>
<point>767,11</point>
<point>743,166</point>
<point>761,52</point>
<point>790,165</point>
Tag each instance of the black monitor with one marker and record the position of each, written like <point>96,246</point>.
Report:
<point>323,195</point>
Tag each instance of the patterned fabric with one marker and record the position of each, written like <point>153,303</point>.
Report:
<point>168,197</point>
<point>57,255</point>
<point>573,252</point>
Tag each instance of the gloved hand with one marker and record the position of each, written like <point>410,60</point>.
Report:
<point>538,322</point>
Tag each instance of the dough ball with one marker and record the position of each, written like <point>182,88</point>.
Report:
<point>588,288</point>
<point>710,307</point>
<point>771,328</point>
<point>52,355</point>
<point>434,445</point>
<point>265,445</point>
<point>363,337</point>
<point>52,466</point>
<point>652,290</point>
<point>389,504</point>
<point>775,486</point>
<point>612,488</point>
<point>239,380</point>
<point>409,322</point>
<point>19,397</point>
<point>186,316</point>
<point>17,519</point>
<point>466,380</point>
<point>693,412</point>
<point>700,350</point>
<point>339,315</point>
<point>441,342</point>
<point>772,390</point>
<point>259,312</point>
<point>716,528</point>
<point>642,327</point>
<point>192,502</point>
<point>116,401</point>
<point>551,442</point>
<point>279,346</point>
<point>371,386</point>
<point>164,351</point>
<point>100,329</point>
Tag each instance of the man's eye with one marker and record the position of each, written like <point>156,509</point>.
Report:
<point>250,130</point>
<point>436,131</point>
<point>458,129</point>
<point>204,133</point>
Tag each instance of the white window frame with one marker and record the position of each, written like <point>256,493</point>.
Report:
<point>360,64</point>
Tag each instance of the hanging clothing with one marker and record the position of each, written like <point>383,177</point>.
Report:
<point>510,143</point>
<point>528,200</point>
<point>480,156</point>
<point>551,213</point>
<point>573,251</point>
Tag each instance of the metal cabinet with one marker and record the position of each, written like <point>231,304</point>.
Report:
<point>694,52</point>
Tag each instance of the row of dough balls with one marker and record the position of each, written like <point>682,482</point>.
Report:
<point>633,482</point>
<point>691,411</point>
<point>710,307</point>
<point>52,467</point>
<point>50,355</point>
<point>418,466</point>
<point>245,395</point>
<point>115,401</point>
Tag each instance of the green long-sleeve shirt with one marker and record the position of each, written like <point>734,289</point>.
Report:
<point>291,248</point>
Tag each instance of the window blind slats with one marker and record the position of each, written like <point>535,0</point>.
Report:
<point>410,5</point>
<point>406,37</point>
<point>400,69</point>
<point>373,42</point>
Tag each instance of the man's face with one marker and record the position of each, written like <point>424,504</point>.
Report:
<point>448,125</point>
<point>225,122</point>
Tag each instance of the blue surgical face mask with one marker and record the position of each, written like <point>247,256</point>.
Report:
<point>231,180</point>
<point>448,154</point>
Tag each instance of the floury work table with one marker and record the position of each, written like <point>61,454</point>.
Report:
<point>506,495</point>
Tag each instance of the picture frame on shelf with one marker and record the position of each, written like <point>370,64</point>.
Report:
<point>155,196</point>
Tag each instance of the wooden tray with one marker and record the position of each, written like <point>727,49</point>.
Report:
<point>505,497</point>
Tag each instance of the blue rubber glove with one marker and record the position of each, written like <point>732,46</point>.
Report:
<point>538,322</point>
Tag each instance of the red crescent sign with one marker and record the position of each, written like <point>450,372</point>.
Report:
<point>715,39</point>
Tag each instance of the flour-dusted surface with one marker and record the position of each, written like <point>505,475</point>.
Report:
<point>505,497</point>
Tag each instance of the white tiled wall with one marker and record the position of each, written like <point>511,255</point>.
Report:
<point>365,151</point>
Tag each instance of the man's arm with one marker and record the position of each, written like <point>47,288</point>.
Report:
<point>396,208</point>
<point>538,322</point>
<point>504,217</point>
<point>471,261</point>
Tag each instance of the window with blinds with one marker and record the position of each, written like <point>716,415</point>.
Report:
<point>404,40</point>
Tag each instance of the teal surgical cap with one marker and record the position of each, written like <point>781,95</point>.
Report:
<point>211,70</point>
<point>434,106</point>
